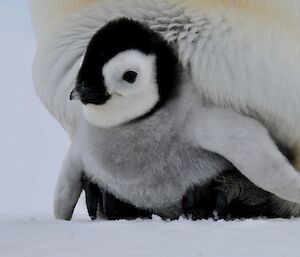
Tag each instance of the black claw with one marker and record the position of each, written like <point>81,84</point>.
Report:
<point>228,187</point>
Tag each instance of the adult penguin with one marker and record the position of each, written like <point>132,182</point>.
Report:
<point>236,53</point>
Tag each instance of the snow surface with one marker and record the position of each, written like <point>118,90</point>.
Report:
<point>31,151</point>
<point>42,237</point>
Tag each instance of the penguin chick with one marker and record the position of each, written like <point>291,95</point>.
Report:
<point>147,135</point>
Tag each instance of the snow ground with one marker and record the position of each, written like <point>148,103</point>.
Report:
<point>42,237</point>
<point>31,151</point>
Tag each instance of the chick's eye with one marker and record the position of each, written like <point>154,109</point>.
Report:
<point>130,76</point>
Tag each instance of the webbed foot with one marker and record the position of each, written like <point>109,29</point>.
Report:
<point>102,203</point>
<point>232,196</point>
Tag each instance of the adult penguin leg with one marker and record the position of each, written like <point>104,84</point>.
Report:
<point>232,196</point>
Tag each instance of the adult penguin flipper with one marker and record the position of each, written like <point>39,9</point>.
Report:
<point>247,145</point>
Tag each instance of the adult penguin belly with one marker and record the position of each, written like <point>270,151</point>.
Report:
<point>246,57</point>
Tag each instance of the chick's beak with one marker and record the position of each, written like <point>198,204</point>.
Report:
<point>75,95</point>
<point>90,95</point>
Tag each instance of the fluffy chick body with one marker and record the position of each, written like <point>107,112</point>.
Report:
<point>151,162</point>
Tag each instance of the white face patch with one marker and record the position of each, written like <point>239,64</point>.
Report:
<point>130,78</point>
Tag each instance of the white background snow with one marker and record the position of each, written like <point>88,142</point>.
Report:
<point>32,147</point>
